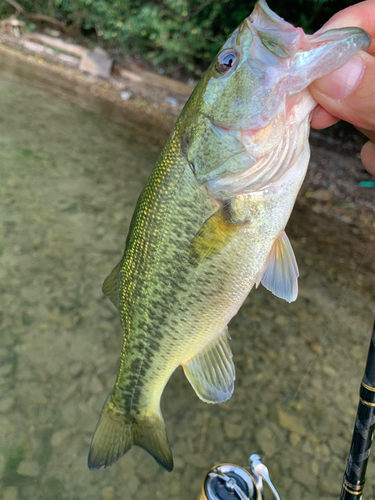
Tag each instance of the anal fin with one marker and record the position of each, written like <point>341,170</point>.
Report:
<point>211,372</point>
<point>280,272</point>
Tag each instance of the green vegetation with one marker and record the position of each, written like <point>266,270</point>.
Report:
<point>180,35</point>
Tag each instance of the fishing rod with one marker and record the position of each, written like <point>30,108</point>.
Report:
<point>354,477</point>
<point>232,482</point>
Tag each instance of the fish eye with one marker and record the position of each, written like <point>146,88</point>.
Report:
<point>226,60</point>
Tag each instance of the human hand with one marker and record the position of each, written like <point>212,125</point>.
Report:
<point>349,92</point>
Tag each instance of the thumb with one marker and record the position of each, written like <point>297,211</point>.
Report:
<point>349,92</point>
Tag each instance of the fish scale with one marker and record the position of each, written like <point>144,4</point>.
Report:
<point>210,224</point>
<point>151,275</point>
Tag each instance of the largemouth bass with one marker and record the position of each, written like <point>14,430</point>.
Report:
<point>210,223</point>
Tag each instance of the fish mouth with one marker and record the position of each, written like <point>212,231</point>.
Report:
<point>309,58</point>
<point>285,40</point>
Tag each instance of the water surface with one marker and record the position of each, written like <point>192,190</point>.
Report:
<point>70,176</point>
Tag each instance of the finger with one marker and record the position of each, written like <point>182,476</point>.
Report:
<point>368,157</point>
<point>361,15</point>
<point>370,134</point>
<point>349,92</point>
<point>322,119</point>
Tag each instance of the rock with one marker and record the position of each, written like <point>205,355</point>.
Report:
<point>294,439</point>
<point>71,390</point>
<point>132,485</point>
<point>179,463</point>
<point>233,431</point>
<point>314,466</point>
<point>358,352</point>
<point>96,63</point>
<point>2,465</point>
<point>338,445</point>
<point>324,451</point>
<point>290,423</point>
<point>60,319</point>
<point>304,477</point>
<point>330,485</point>
<point>329,371</point>
<point>57,43</point>
<point>10,493</point>
<point>131,76</point>
<point>6,404</point>
<point>281,320</point>
<point>217,436</point>
<point>12,26</point>
<point>4,353</point>
<point>295,491</point>
<point>157,81</point>
<point>69,413</point>
<point>28,468</point>
<point>307,448</point>
<point>59,437</point>
<point>319,194</point>
<point>96,386</point>
<point>41,373</point>
<point>75,369</point>
<point>37,396</point>
<point>6,369</point>
<point>50,32</point>
<point>179,447</point>
<point>175,488</point>
<point>107,493</point>
<point>195,460</point>
<point>236,456</point>
<point>265,438</point>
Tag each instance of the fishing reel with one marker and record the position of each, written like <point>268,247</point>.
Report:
<point>232,482</point>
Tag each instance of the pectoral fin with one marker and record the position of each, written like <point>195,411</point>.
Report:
<point>211,372</point>
<point>280,272</point>
<point>215,233</point>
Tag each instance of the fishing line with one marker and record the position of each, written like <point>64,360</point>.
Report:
<point>341,301</point>
<point>356,274</point>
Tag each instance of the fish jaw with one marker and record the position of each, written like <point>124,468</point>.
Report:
<point>272,161</point>
<point>235,119</point>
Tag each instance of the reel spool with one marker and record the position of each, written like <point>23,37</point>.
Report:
<point>232,482</point>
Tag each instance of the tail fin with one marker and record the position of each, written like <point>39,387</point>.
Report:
<point>117,432</point>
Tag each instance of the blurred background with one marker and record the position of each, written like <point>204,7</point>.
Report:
<point>182,36</point>
<point>85,107</point>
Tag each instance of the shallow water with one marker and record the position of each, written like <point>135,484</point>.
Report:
<point>69,181</point>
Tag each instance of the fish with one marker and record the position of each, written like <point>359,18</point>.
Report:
<point>210,223</point>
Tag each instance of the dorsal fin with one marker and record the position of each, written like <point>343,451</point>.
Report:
<point>280,272</point>
<point>211,371</point>
<point>110,286</point>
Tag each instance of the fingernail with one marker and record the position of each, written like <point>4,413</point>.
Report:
<point>341,82</point>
